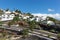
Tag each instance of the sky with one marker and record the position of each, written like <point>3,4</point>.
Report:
<point>33,6</point>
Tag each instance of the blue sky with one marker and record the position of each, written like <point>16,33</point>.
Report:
<point>33,6</point>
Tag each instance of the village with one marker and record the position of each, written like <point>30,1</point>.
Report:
<point>15,25</point>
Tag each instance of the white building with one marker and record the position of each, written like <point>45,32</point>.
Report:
<point>50,23</point>
<point>6,16</point>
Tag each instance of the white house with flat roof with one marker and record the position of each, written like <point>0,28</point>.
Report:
<point>50,23</point>
<point>6,16</point>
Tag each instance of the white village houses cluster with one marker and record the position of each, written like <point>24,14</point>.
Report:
<point>6,16</point>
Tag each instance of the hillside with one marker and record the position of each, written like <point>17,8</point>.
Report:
<point>16,20</point>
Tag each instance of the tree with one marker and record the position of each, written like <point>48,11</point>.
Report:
<point>16,18</point>
<point>29,14</point>
<point>7,9</point>
<point>18,11</point>
<point>51,19</point>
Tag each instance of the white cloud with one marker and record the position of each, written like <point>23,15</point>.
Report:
<point>50,10</point>
<point>56,15</point>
